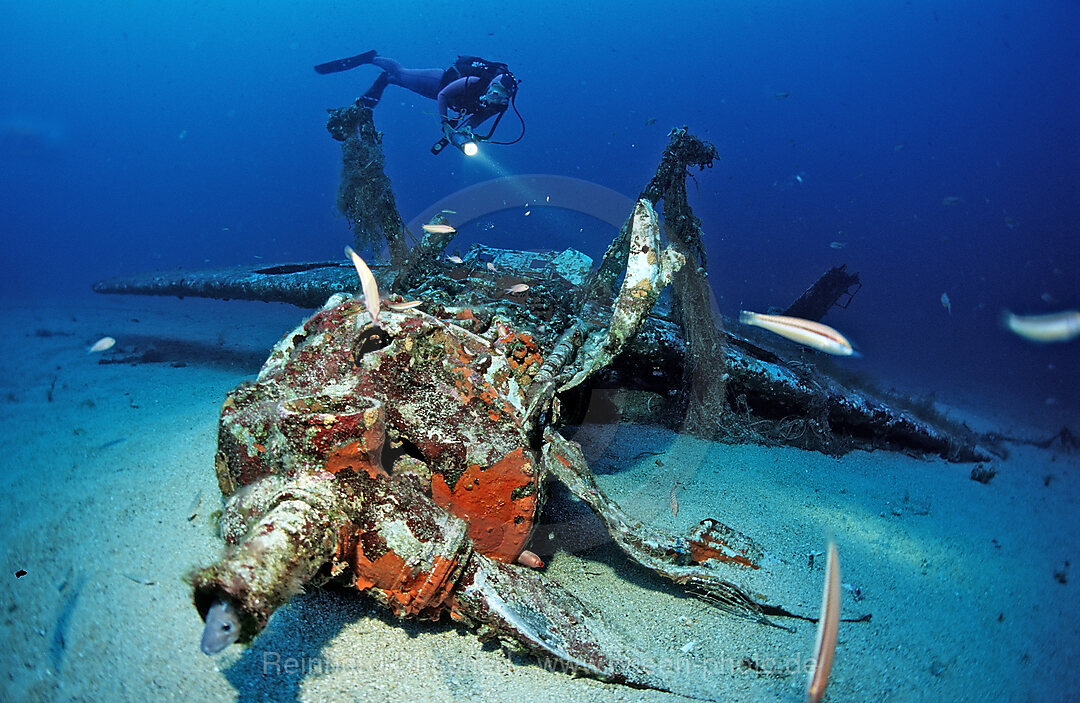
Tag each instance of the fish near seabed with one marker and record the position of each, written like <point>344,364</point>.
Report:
<point>222,628</point>
<point>828,623</point>
<point>806,332</point>
<point>1052,327</point>
<point>407,305</point>
<point>367,283</point>
<point>103,344</point>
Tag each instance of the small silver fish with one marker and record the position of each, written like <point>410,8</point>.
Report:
<point>491,267</point>
<point>951,200</point>
<point>454,259</point>
<point>945,303</point>
<point>517,288</point>
<point>193,509</point>
<point>1053,327</point>
<point>367,283</point>
<point>141,580</point>
<point>837,245</point>
<point>438,229</point>
<point>673,502</point>
<point>101,345</point>
<point>408,305</point>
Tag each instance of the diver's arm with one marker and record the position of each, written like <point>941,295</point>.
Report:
<point>453,94</point>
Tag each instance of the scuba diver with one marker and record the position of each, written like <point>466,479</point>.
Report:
<point>474,89</point>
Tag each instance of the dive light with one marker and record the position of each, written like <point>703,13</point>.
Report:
<point>465,143</point>
<point>462,140</point>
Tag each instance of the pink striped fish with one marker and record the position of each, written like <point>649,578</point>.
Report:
<point>402,307</point>
<point>828,623</point>
<point>812,334</point>
<point>1053,327</point>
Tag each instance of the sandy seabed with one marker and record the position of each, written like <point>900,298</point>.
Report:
<point>108,494</point>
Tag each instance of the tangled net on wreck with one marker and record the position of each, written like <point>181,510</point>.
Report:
<point>365,196</point>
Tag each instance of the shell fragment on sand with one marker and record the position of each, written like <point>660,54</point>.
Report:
<point>530,559</point>
<point>806,332</point>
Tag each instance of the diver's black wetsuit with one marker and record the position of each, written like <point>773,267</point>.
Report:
<point>447,87</point>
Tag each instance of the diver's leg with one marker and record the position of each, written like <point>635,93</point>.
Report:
<point>374,93</point>
<point>422,81</point>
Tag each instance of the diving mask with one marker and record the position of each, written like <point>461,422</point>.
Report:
<point>497,94</point>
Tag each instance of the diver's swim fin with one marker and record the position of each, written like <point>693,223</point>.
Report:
<point>346,64</point>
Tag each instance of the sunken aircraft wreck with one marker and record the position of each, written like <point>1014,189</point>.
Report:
<point>404,450</point>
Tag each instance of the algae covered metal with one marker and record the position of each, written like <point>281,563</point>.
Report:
<point>667,374</point>
<point>409,460</point>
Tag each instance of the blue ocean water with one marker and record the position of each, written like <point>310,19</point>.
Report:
<point>139,136</point>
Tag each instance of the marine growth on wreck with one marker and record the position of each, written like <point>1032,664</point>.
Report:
<point>410,459</point>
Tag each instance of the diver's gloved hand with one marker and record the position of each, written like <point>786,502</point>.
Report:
<point>447,128</point>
